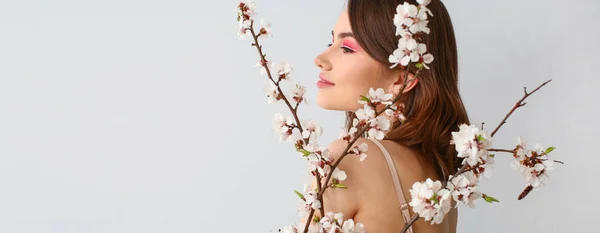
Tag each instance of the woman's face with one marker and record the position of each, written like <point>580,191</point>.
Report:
<point>348,71</point>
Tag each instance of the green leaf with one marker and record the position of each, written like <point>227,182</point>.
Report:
<point>299,195</point>
<point>550,149</point>
<point>304,152</point>
<point>490,199</point>
<point>340,186</point>
<point>480,138</point>
<point>316,218</point>
<point>364,98</point>
<point>492,155</point>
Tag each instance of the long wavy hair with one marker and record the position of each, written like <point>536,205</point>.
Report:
<point>434,107</point>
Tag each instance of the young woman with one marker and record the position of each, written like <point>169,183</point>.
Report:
<point>357,60</point>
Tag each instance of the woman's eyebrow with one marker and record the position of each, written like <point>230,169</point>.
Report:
<point>342,35</point>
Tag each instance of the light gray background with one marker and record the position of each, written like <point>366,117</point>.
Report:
<point>147,116</point>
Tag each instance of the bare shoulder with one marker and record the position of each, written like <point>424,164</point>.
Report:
<point>380,211</point>
<point>411,165</point>
<point>371,196</point>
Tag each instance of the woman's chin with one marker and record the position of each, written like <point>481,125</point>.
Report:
<point>324,101</point>
<point>329,103</point>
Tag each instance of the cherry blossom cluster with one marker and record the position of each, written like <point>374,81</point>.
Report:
<point>533,163</point>
<point>410,20</point>
<point>432,201</point>
<point>330,223</point>
<point>309,200</point>
<point>472,145</point>
<point>376,124</point>
<point>246,12</point>
<point>334,223</point>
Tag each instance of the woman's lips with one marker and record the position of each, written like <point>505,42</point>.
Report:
<point>323,83</point>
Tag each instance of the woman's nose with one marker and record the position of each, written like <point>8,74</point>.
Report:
<point>322,63</point>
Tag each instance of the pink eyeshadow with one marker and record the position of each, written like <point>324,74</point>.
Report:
<point>351,44</point>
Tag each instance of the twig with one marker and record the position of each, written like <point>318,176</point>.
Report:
<point>264,64</point>
<point>502,150</point>
<point>518,105</point>
<point>294,110</point>
<point>410,223</point>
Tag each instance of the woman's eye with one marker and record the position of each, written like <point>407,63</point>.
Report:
<point>347,50</point>
<point>344,48</point>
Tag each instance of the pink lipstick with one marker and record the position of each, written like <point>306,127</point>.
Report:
<point>323,83</point>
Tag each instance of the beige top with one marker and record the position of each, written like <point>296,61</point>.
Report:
<point>401,199</point>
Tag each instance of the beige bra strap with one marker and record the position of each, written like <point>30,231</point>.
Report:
<point>401,199</point>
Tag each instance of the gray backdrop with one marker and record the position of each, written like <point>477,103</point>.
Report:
<point>147,116</point>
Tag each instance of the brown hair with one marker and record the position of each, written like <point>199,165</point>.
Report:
<point>434,107</point>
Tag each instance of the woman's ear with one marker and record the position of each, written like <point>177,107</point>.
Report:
<point>411,83</point>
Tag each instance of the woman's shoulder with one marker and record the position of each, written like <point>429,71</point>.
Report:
<point>374,174</point>
<point>409,162</point>
<point>372,183</point>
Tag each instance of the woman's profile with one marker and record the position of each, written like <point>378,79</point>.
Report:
<point>356,60</point>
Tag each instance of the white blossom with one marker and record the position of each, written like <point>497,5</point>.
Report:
<point>533,163</point>
<point>404,14</point>
<point>420,21</point>
<point>412,17</point>
<point>405,53</point>
<point>263,70</point>
<point>243,29</point>
<point>471,144</point>
<point>379,126</point>
<point>318,159</point>
<point>350,227</point>
<point>427,58</point>
<point>361,151</point>
<point>378,96</point>
<point>423,3</point>
<point>310,198</point>
<point>299,92</point>
<point>266,29</point>
<point>487,166</point>
<point>283,125</point>
<point>396,112</point>
<point>334,223</point>
<point>283,70</point>
<point>430,201</point>
<point>329,222</point>
<point>315,164</point>
<point>338,174</point>
<point>464,188</point>
<point>367,113</point>
<point>409,20</point>
<point>273,94</point>
<point>246,10</point>
<point>353,130</point>
<point>311,128</point>
<point>347,134</point>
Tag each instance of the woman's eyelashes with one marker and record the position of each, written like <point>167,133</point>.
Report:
<point>345,48</point>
